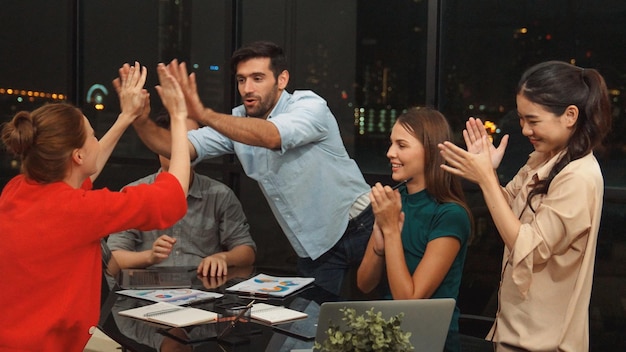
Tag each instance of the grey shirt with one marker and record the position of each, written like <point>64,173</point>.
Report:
<point>214,222</point>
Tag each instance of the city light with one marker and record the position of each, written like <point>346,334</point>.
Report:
<point>30,94</point>
<point>522,30</point>
<point>491,129</point>
<point>96,95</point>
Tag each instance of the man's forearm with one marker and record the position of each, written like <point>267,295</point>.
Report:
<point>242,255</point>
<point>251,131</point>
<point>157,139</point>
<point>131,259</point>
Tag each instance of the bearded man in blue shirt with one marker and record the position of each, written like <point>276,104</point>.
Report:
<point>291,145</point>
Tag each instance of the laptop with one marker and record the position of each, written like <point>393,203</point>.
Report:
<point>428,320</point>
<point>147,279</point>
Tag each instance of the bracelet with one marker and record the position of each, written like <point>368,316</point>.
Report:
<point>378,254</point>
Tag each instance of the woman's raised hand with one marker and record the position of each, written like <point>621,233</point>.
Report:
<point>171,94</point>
<point>473,134</point>
<point>134,98</point>
<point>475,167</point>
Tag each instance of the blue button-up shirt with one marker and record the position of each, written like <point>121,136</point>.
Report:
<point>310,183</point>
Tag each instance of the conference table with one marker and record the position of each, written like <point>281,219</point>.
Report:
<point>139,335</point>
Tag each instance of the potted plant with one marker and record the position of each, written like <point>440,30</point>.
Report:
<point>367,332</point>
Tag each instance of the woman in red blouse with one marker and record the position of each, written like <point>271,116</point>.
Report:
<point>51,221</point>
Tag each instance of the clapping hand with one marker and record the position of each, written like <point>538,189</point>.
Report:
<point>387,208</point>
<point>474,132</point>
<point>474,166</point>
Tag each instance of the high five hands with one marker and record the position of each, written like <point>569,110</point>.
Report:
<point>134,98</point>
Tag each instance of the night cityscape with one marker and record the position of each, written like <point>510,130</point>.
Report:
<point>370,60</point>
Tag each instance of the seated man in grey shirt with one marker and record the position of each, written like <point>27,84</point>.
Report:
<point>213,235</point>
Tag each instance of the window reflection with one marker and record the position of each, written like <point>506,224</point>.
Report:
<point>390,74</point>
<point>486,45</point>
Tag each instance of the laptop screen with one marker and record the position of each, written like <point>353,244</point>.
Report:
<point>427,320</point>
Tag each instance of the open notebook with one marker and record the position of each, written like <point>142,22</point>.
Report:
<point>170,314</point>
<point>271,314</point>
<point>428,320</point>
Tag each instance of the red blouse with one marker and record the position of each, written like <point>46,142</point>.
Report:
<point>50,256</point>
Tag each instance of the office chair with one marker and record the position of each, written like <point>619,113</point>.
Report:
<point>472,332</point>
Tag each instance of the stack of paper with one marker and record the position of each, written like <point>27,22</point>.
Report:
<point>271,285</point>
<point>172,296</point>
<point>270,314</point>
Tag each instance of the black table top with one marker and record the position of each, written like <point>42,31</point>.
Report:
<point>138,335</point>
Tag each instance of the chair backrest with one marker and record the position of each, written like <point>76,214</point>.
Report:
<point>428,320</point>
<point>110,269</point>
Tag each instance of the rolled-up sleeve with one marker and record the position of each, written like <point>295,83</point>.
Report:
<point>234,228</point>
<point>209,143</point>
<point>126,240</point>
<point>305,121</point>
<point>561,217</point>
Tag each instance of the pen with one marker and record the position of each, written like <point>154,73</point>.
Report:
<point>163,311</point>
<point>261,296</point>
<point>236,320</point>
<point>394,188</point>
<point>402,183</point>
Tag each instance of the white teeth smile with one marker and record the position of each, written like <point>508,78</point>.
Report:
<point>396,165</point>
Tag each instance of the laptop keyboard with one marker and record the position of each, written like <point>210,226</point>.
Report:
<point>145,278</point>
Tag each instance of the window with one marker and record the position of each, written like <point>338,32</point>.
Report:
<point>370,59</point>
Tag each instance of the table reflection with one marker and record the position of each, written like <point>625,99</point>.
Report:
<point>138,335</point>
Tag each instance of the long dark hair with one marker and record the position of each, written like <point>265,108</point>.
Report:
<point>555,85</point>
<point>430,127</point>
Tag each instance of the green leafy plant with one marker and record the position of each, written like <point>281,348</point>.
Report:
<point>367,332</point>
